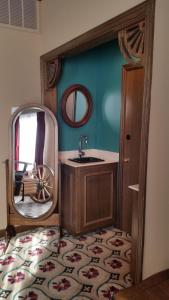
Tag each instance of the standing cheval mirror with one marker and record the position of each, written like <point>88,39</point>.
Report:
<point>32,169</point>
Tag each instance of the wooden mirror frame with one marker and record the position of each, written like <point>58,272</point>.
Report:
<point>14,217</point>
<point>85,92</point>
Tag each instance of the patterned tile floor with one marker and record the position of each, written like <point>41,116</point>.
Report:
<point>91,266</point>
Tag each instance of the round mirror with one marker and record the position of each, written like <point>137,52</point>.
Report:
<point>34,159</point>
<point>76,105</point>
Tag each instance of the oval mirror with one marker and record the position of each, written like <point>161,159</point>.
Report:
<point>76,105</point>
<point>34,161</point>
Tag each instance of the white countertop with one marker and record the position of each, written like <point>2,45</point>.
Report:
<point>107,156</point>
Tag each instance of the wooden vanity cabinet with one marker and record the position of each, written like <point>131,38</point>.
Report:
<point>88,197</point>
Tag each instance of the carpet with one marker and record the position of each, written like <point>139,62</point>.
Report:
<point>91,266</point>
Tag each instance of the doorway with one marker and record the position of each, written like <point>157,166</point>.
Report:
<point>97,36</point>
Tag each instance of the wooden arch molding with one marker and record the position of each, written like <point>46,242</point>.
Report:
<point>131,42</point>
<point>98,36</point>
<point>53,72</point>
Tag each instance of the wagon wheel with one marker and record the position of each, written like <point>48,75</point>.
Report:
<point>45,183</point>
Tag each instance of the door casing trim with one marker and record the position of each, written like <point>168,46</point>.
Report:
<point>95,37</point>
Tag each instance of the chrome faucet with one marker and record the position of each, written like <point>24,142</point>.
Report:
<point>83,139</point>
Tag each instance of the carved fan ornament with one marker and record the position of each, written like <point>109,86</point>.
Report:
<point>131,42</point>
<point>53,72</point>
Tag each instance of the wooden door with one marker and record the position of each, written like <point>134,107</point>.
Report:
<point>131,120</point>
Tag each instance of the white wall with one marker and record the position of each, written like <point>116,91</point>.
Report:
<point>156,253</point>
<point>63,20</point>
<point>19,84</point>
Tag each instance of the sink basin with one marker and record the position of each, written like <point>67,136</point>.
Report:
<point>86,159</point>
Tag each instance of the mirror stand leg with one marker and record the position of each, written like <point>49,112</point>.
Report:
<point>9,233</point>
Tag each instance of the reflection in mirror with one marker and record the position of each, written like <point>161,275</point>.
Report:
<point>76,106</point>
<point>33,167</point>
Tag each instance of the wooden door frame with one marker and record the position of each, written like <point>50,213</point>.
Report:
<point>95,37</point>
<point>135,262</point>
<point>125,68</point>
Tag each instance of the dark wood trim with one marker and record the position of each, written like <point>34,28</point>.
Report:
<point>53,72</point>
<point>131,42</point>
<point>18,229</point>
<point>15,219</point>
<point>125,68</point>
<point>48,95</point>
<point>85,92</point>
<point>49,102</point>
<point>22,228</point>
<point>135,236</point>
<point>97,36</point>
<point>156,285</point>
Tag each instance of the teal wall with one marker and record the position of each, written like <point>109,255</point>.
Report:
<point>99,70</point>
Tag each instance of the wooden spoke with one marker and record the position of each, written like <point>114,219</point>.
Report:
<point>43,194</point>
<point>47,192</point>
<point>44,184</point>
<point>46,178</point>
<point>48,186</point>
<point>39,194</point>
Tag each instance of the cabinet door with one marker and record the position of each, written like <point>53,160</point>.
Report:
<point>98,189</point>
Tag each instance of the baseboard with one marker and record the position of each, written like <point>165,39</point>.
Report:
<point>18,229</point>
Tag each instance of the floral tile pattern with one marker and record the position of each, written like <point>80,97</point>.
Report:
<point>91,266</point>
